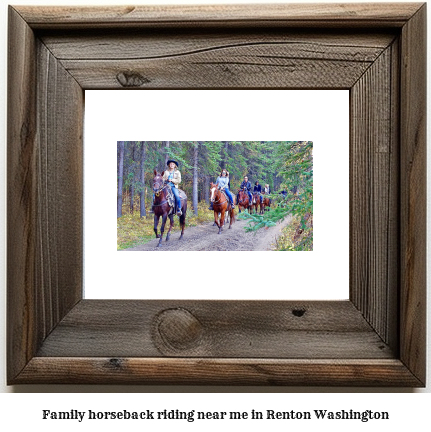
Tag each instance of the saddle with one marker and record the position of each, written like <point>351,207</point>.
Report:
<point>227,198</point>
<point>171,198</point>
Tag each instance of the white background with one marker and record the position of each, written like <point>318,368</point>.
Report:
<point>24,410</point>
<point>242,115</point>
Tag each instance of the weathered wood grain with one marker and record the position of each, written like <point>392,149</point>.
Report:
<point>413,194</point>
<point>59,179</point>
<point>268,66</point>
<point>374,195</point>
<point>21,194</point>
<point>219,60</point>
<point>198,371</point>
<point>375,15</point>
<point>141,44</point>
<point>235,329</point>
<point>45,193</point>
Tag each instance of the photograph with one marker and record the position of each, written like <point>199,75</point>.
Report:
<point>217,195</point>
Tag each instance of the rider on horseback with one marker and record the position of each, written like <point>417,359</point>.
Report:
<point>247,185</point>
<point>172,177</point>
<point>223,183</point>
<point>258,189</point>
<point>267,191</point>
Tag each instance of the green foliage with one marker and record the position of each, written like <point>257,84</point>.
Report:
<point>296,236</point>
<point>256,221</point>
<point>294,162</point>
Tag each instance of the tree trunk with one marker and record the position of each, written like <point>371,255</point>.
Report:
<point>166,143</point>
<point>160,147</point>
<point>132,194</point>
<point>120,180</point>
<point>207,189</point>
<point>195,177</point>
<point>132,178</point>
<point>142,191</point>
<point>226,148</point>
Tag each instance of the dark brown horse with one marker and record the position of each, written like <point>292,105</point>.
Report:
<point>266,202</point>
<point>243,200</point>
<point>163,209</point>
<point>221,206</point>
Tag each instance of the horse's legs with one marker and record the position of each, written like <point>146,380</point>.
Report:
<point>162,229</point>
<point>182,223</point>
<point>183,217</point>
<point>171,224</point>
<point>156,223</point>
<point>216,218</point>
<point>220,229</point>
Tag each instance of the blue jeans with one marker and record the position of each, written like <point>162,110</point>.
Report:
<point>229,194</point>
<point>176,195</point>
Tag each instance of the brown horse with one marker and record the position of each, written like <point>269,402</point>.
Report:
<point>162,208</point>
<point>243,200</point>
<point>256,203</point>
<point>266,202</point>
<point>221,205</point>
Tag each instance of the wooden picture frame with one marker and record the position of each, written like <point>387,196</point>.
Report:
<point>376,338</point>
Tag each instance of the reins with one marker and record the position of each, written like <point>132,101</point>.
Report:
<point>216,202</point>
<point>157,193</point>
<point>246,198</point>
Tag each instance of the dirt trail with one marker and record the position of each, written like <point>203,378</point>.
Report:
<point>205,238</point>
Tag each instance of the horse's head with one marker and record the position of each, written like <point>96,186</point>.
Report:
<point>158,182</point>
<point>243,194</point>
<point>213,190</point>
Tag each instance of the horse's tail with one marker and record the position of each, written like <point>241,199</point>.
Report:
<point>232,212</point>
<point>184,211</point>
<point>232,215</point>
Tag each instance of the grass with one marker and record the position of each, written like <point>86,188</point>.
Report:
<point>292,239</point>
<point>133,231</point>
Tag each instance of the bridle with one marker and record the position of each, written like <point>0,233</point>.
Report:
<point>217,202</point>
<point>158,191</point>
<point>246,194</point>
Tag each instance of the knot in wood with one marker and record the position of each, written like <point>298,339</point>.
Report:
<point>131,79</point>
<point>298,312</point>
<point>178,329</point>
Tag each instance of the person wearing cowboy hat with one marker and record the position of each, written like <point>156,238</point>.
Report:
<point>172,177</point>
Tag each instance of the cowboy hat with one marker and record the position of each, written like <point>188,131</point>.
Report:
<point>169,162</point>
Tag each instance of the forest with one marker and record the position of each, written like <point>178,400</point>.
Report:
<point>284,165</point>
